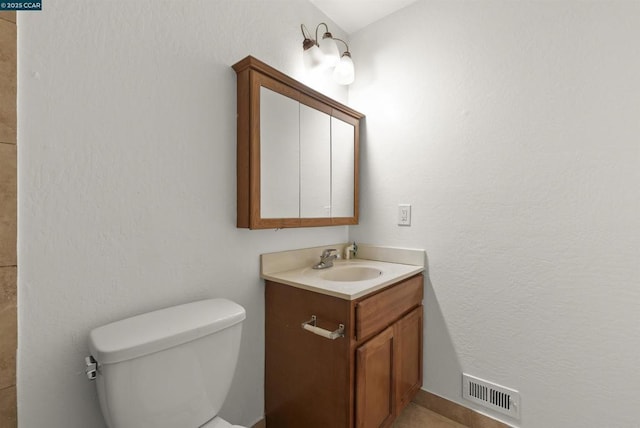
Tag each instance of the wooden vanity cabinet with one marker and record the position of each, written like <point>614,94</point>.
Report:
<point>362,380</point>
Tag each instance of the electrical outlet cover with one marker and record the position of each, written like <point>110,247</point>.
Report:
<point>404,215</point>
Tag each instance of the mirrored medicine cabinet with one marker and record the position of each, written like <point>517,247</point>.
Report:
<point>298,150</point>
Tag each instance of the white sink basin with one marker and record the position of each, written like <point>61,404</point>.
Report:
<point>347,279</point>
<point>351,273</point>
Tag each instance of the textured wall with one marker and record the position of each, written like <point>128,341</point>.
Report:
<point>512,128</point>
<point>127,128</point>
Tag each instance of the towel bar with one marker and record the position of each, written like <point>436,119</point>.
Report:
<point>333,335</point>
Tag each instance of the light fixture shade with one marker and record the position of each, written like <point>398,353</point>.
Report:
<point>330,50</point>
<point>344,73</point>
<point>312,57</point>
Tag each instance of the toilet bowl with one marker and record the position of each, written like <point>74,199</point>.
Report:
<point>170,368</point>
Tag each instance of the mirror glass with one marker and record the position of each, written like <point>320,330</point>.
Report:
<point>306,160</point>
<point>342,168</point>
<point>315,163</point>
<point>279,155</point>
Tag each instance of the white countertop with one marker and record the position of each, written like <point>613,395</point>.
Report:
<point>300,274</point>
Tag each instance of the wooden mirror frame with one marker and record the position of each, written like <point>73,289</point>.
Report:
<point>251,75</point>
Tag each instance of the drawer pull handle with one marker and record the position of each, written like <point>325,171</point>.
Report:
<point>311,326</point>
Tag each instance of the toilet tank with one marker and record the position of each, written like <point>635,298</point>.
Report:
<point>168,368</point>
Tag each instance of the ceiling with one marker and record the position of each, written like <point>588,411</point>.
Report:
<point>352,15</point>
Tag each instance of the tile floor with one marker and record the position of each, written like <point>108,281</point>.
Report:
<point>415,416</point>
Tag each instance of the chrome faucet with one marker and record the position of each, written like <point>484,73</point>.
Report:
<point>326,259</point>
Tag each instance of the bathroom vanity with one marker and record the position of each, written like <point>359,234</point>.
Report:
<point>342,355</point>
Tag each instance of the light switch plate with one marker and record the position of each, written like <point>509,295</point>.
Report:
<point>404,215</point>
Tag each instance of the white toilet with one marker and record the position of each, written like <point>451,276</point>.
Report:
<point>170,368</point>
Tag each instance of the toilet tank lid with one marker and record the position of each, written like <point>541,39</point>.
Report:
<point>162,329</point>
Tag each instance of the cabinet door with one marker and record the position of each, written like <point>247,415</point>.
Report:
<point>375,401</point>
<point>408,357</point>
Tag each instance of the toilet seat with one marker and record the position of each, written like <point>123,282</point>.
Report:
<point>218,422</point>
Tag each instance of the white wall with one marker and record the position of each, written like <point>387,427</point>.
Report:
<point>127,138</point>
<point>512,128</point>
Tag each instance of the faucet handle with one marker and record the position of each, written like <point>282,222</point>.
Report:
<point>327,252</point>
<point>326,259</point>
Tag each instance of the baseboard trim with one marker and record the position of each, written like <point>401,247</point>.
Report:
<point>456,412</point>
<point>260,424</point>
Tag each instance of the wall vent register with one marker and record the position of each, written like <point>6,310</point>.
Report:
<point>491,396</point>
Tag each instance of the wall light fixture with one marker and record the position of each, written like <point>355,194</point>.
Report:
<point>323,54</point>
